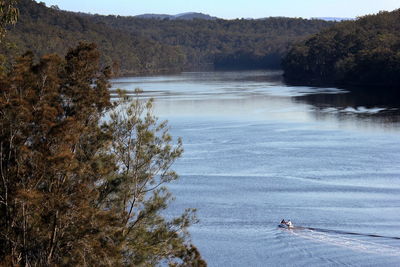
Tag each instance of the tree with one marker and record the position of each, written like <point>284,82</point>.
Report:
<point>8,15</point>
<point>49,115</point>
<point>78,190</point>
<point>144,153</point>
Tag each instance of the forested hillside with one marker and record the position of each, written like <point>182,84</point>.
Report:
<point>361,52</point>
<point>47,30</point>
<point>154,45</point>
<point>221,43</point>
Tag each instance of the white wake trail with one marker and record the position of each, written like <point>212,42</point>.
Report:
<point>350,243</point>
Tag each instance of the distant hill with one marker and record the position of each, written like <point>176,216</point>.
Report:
<point>334,18</point>
<point>154,16</point>
<point>362,52</point>
<point>182,16</point>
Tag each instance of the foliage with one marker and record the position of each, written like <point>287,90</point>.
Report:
<point>8,15</point>
<point>76,189</point>
<point>154,45</point>
<point>361,52</point>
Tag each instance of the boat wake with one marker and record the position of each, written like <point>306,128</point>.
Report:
<point>342,239</point>
<point>348,233</point>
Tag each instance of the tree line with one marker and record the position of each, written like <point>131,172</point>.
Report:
<point>361,52</point>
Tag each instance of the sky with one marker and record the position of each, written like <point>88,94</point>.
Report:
<point>231,9</point>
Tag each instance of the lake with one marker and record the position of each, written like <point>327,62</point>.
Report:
<point>258,151</point>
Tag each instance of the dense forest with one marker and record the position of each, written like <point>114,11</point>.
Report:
<point>140,45</point>
<point>240,43</point>
<point>361,52</point>
<point>44,30</point>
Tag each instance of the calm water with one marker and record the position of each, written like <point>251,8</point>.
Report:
<point>257,151</point>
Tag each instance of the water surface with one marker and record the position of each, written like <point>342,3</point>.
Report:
<point>257,151</point>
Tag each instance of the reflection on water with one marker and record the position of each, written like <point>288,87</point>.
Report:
<point>262,95</point>
<point>358,105</point>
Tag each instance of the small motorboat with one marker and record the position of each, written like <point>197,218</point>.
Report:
<point>286,225</point>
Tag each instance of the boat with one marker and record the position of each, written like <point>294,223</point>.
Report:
<point>286,225</point>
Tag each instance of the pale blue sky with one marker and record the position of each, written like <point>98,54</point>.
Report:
<point>232,8</point>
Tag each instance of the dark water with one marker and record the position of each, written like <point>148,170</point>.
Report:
<point>257,151</point>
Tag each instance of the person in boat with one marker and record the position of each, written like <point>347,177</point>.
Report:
<point>289,223</point>
<point>283,221</point>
